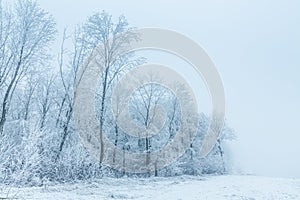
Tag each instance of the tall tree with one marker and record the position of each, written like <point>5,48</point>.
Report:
<point>31,31</point>
<point>68,72</point>
<point>145,105</point>
<point>111,39</point>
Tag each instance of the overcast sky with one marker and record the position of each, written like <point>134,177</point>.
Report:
<point>256,48</point>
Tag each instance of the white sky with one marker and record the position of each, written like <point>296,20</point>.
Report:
<point>256,47</point>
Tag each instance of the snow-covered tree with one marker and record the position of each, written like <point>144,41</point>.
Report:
<point>26,32</point>
<point>38,142</point>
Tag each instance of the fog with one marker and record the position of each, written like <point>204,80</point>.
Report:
<point>255,46</point>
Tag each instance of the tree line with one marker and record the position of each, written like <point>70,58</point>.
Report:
<point>38,141</point>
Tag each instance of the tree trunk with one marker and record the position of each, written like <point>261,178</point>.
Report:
<point>221,155</point>
<point>65,131</point>
<point>5,104</point>
<point>116,142</point>
<point>102,116</point>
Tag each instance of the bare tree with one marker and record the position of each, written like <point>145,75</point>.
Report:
<point>31,31</point>
<point>112,39</point>
<point>32,83</point>
<point>45,98</point>
<point>145,104</point>
<point>6,57</point>
<point>68,73</point>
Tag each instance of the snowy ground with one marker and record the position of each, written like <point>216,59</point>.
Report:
<point>187,187</point>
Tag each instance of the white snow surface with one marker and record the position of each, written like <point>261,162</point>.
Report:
<point>178,188</point>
